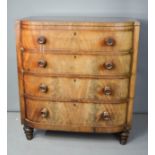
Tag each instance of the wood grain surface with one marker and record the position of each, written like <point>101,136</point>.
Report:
<point>89,40</point>
<point>77,64</point>
<point>75,88</point>
<point>77,75</point>
<point>71,114</point>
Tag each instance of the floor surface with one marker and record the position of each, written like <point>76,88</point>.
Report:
<point>61,143</point>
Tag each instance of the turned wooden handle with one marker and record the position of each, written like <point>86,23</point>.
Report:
<point>109,41</point>
<point>107,90</point>
<point>41,40</point>
<point>108,65</point>
<point>43,88</point>
<point>105,116</point>
<point>44,113</point>
<point>42,63</point>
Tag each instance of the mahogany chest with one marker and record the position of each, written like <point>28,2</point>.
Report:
<point>77,74</point>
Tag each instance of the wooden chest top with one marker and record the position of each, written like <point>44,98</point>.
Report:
<point>81,21</point>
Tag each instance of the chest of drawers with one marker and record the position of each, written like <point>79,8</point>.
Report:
<point>77,74</point>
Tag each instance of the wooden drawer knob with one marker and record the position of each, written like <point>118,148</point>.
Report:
<point>42,63</point>
<point>107,91</point>
<point>109,41</point>
<point>108,65</point>
<point>44,113</point>
<point>41,40</point>
<point>43,88</point>
<point>105,116</point>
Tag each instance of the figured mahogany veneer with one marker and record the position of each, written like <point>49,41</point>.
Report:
<point>86,114</point>
<point>92,40</point>
<point>77,74</point>
<point>76,88</point>
<point>77,64</point>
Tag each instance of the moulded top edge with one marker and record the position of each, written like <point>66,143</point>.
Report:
<point>81,21</point>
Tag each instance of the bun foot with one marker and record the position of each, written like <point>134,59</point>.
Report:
<point>124,137</point>
<point>28,132</point>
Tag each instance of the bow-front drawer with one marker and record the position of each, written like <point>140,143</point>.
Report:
<point>77,64</point>
<point>77,40</point>
<point>59,114</point>
<point>76,89</point>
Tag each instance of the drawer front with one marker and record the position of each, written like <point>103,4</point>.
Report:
<point>61,114</point>
<point>110,114</point>
<point>87,40</point>
<point>77,64</point>
<point>60,88</point>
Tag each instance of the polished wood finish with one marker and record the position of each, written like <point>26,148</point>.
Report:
<point>77,75</point>
<point>88,40</point>
<point>124,137</point>
<point>75,88</point>
<point>86,114</point>
<point>74,64</point>
<point>133,75</point>
<point>19,50</point>
<point>28,132</point>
